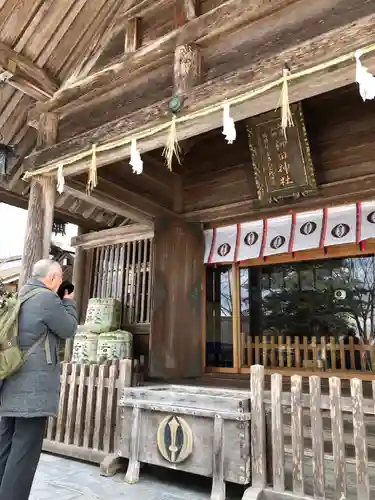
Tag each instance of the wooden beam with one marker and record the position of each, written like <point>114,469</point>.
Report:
<point>251,76</point>
<point>102,42</point>
<point>48,130</point>
<point>93,39</point>
<point>335,193</point>
<point>225,17</point>
<point>113,236</point>
<point>223,54</point>
<point>17,200</point>
<point>120,201</point>
<point>24,75</point>
<point>155,178</point>
<point>108,203</point>
<point>133,35</point>
<point>140,8</point>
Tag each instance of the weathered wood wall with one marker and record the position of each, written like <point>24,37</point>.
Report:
<point>218,183</point>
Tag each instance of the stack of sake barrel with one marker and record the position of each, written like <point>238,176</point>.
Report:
<point>100,339</point>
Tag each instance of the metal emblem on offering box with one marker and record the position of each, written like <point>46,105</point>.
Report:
<point>282,166</point>
<point>174,439</point>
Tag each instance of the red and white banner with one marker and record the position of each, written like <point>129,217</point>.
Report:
<point>224,244</point>
<point>250,240</point>
<point>308,230</point>
<point>366,218</point>
<point>278,235</point>
<point>340,225</point>
<point>291,233</point>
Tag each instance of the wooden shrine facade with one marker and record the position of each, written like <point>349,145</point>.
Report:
<point>192,58</point>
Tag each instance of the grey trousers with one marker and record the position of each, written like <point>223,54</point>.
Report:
<point>21,442</point>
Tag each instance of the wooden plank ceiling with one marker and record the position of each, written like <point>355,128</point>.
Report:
<point>42,43</point>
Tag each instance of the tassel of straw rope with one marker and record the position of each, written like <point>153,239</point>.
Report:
<point>93,175</point>
<point>172,148</point>
<point>286,114</point>
<point>60,179</point>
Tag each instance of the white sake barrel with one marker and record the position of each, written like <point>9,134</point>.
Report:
<point>85,348</point>
<point>115,345</point>
<point>103,315</point>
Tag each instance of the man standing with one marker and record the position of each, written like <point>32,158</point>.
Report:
<point>31,395</point>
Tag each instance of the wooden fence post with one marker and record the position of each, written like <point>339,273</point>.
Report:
<point>277,433</point>
<point>258,426</point>
<point>338,443</point>
<point>360,443</point>
<point>317,437</point>
<point>297,435</point>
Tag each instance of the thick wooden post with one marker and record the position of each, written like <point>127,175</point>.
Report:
<point>176,318</point>
<point>41,205</point>
<point>39,224</point>
<point>81,280</point>
<point>79,269</point>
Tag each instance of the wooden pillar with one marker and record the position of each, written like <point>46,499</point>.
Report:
<point>79,268</point>
<point>82,273</point>
<point>41,205</point>
<point>176,316</point>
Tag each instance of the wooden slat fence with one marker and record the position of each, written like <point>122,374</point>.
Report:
<point>124,271</point>
<point>300,463</point>
<point>85,427</point>
<point>307,353</point>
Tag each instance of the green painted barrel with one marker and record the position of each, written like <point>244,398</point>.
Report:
<point>103,315</point>
<point>85,348</point>
<point>115,345</point>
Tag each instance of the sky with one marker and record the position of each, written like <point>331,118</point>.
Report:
<point>12,231</point>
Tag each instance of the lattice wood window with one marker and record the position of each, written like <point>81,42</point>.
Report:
<point>124,271</point>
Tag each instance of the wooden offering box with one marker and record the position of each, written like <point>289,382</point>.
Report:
<point>194,429</point>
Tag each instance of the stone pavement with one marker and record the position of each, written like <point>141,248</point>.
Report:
<point>71,480</point>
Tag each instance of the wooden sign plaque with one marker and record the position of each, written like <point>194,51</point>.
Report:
<point>282,167</point>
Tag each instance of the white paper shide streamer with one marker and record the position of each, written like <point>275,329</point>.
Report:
<point>229,128</point>
<point>135,158</point>
<point>60,179</point>
<point>364,78</point>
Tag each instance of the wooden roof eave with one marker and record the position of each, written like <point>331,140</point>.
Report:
<point>224,18</point>
<point>345,39</point>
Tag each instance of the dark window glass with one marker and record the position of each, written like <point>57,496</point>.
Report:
<point>219,317</point>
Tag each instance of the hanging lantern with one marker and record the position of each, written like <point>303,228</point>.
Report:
<point>59,228</point>
<point>5,154</point>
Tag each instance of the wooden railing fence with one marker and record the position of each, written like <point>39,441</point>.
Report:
<point>301,462</point>
<point>85,427</point>
<point>308,353</point>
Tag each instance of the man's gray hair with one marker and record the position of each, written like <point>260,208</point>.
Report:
<point>43,267</point>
